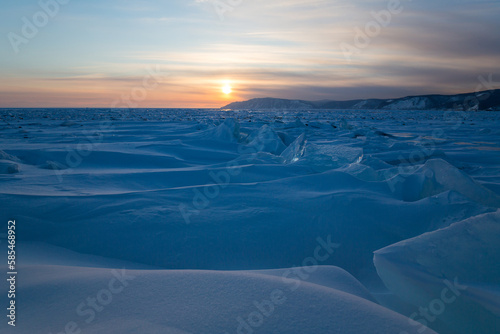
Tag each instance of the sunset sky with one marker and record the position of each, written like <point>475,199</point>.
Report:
<point>94,53</point>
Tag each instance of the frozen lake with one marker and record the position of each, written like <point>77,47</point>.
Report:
<point>164,192</point>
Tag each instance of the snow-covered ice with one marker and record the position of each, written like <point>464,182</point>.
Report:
<point>462,259</point>
<point>213,212</point>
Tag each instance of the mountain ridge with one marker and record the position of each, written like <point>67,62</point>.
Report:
<point>484,100</point>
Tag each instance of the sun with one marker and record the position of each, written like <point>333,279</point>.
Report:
<point>227,89</point>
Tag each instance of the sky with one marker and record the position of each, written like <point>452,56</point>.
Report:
<point>182,53</point>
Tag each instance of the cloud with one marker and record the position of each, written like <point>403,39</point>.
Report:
<point>282,48</point>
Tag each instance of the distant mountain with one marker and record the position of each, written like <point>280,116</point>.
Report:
<point>485,100</point>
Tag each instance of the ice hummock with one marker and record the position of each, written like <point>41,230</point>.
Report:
<point>462,258</point>
<point>295,150</point>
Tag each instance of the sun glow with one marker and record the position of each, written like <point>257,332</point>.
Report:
<point>227,89</point>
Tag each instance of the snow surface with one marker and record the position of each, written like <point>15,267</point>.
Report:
<point>207,209</point>
<point>187,301</point>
